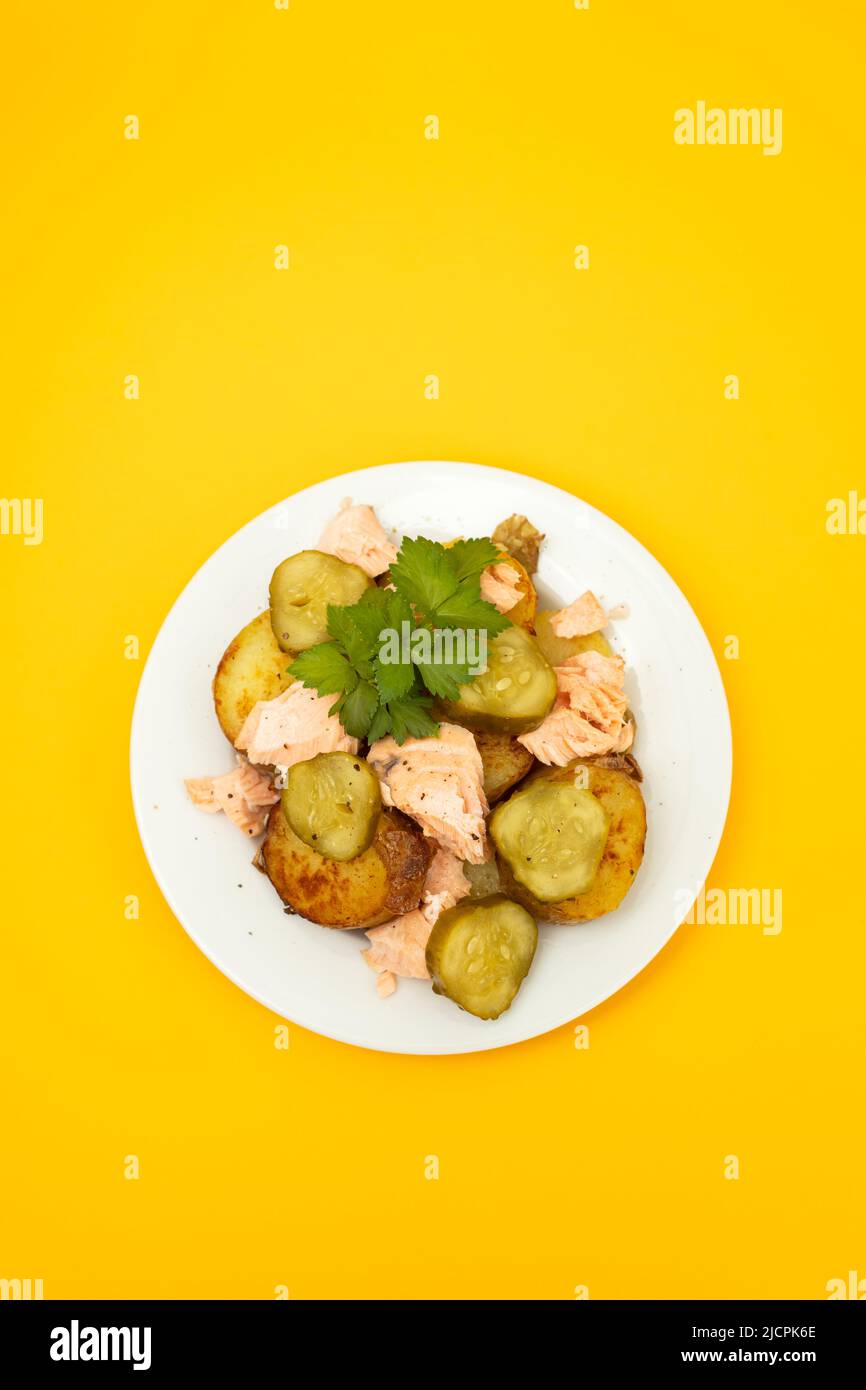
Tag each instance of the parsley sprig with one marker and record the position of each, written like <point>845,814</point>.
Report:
<point>436,587</point>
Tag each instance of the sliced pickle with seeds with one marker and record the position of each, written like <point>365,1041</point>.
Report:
<point>559,649</point>
<point>552,836</point>
<point>515,692</point>
<point>479,953</point>
<point>333,803</point>
<point>302,587</point>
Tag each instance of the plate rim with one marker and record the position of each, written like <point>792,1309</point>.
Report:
<point>482,1043</point>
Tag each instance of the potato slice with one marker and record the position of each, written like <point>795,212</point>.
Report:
<point>505,762</point>
<point>559,649</point>
<point>253,668</point>
<point>523,612</point>
<point>383,882</point>
<point>621,800</point>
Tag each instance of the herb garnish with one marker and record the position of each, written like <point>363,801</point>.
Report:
<point>436,588</point>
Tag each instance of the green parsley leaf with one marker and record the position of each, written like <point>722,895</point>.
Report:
<point>380,724</point>
<point>424,574</point>
<point>324,668</point>
<point>444,680</point>
<point>466,608</point>
<point>410,716</point>
<point>471,557</point>
<point>357,709</point>
<point>393,678</point>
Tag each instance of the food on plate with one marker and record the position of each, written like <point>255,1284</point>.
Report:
<point>432,759</point>
<point>516,691</point>
<point>253,668</point>
<point>294,726</point>
<point>504,762</point>
<point>552,835</point>
<point>439,782</point>
<point>302,587</point>
<point>621,801</point>
<point>333,803</point>
<point>398,947</point>
<point>590,715</point>
<point>509,587</point>
<point>500,585</point>
<point>521,539</point>
<point>244,794</point>
<point>483,878</point>
<point>558,649</point>
<point>580,618</point>
<point>383,882</point>
<point>479,954</point>
<point>357,536</point>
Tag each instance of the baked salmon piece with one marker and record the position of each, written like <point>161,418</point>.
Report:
<point>292,728</point>
<point>500,585</point>
<point>589,716</point>
<point>580,618</point>
<point>399,947</point>
<point>356,536</point>
<point>439,782</point>
<point>245,795</point>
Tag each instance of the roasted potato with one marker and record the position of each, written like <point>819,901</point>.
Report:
<point>559,649</point>
<point>253,668</point>
<point>521,539</point>
<point>383,882</point>
<point>505,762</point>
<point>523,613</point>
<point>621,858</point>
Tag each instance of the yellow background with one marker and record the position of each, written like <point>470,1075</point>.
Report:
<point>559,1167</point>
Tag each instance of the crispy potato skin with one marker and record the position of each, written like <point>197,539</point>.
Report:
<point>383,882</point>
<point>253,668</point>
<point>505,762</point>
<point>623,853</point>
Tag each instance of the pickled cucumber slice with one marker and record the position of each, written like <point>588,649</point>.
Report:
<point>552,836</point>
<point>515,692</point>
<point>333,803</point>
<point>479,953</point>
<point>301,589</point>
<point>483,878</point>
<point>559,649</point>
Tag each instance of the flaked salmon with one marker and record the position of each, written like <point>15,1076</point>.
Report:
<point>589,715</point>
<point>444,885</point>
<point>399,947</point>
<point>244,794</point>
<point>386,983</point>
<point>580,618</point>
<point>357,536</point>
<point>500,585</point>
<point>439,783</point>
<point>293,727</point>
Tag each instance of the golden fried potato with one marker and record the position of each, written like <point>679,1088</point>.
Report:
<point>383,882</point>
<point>621,858</point>
<point>253,668</point>
<point>559,649</point>
<point>504,760</point>
<point>523,612</point>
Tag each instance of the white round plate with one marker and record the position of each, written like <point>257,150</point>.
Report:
<point>315,977</point>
